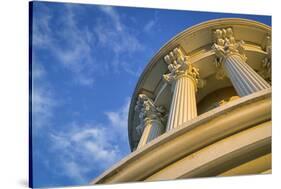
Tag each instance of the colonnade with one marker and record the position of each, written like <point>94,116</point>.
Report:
<point>185,80</point>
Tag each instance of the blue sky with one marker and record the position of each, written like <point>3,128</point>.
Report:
<point>86,62</point>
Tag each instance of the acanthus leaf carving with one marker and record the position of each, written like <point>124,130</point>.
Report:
<point>180,65</point>
<point>148,111</point>
<point>225,44</point>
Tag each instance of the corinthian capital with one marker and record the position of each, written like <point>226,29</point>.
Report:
<point>225,44</point>
<point>147,109</point>
<point>179,65</point>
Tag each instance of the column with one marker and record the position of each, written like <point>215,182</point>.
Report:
<point>184,79</point>
<point>151,122</point>
<point>233,60</point>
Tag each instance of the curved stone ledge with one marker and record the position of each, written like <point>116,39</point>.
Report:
<point>215,158</point>
<point>204,130</point>
<point>258,165</point>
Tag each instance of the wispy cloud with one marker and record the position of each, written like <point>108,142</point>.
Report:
<point>70,44</point>
<point>110,11</point>
<point>81,149</point>
<point>88,148</point>
<point>42,105</point>
<point>108,44</point>
<point>43,101</point>
<point>41,28</point>
<point>151,23</point>
<point>119,119</point>
<point>118,38</point>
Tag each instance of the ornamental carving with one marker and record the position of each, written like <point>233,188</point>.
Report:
<point>148,111</point>
<point>265,70</point>
<point>225,44</point>
<point>179,65</point>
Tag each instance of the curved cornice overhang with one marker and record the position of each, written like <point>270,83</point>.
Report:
<point>174,42</point>
<point>233,151</point>
<point>194,135</point>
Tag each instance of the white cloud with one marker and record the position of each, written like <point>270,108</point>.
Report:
<point>41,28</point>
<point>69,43</point>
<point>110,11</point>
<point>42,102</point>
<point>119,118</point>
<point>117,37</point>
<point>42,96</point>
<point>84,148</point>
<point>37,70</point>
<point>80,148</point>
<point>149,25</point>
<point>78,49</point>
<point>88,141</point>
<point>74,170</point>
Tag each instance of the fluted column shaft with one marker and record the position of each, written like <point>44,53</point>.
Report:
<point>183,107</point>
<point>244,79</point>
<point>231,54</point>
<point>184,78</point>
<point>152,129</point>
